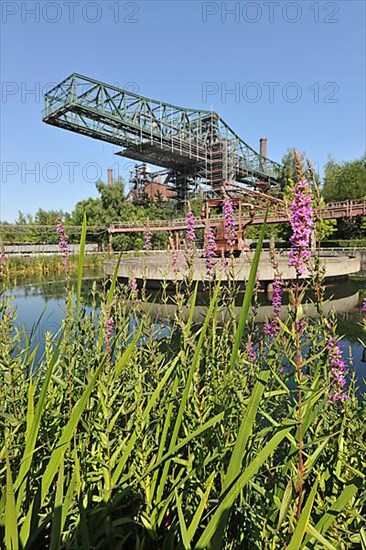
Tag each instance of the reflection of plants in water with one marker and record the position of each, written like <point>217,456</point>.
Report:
<point>49,286</point>
<point>44,266</point>
<point>349,324</point>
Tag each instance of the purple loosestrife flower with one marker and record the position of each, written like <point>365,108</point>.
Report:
<point>191,233</point>
<point>272,328</point>
<point>133,285</point>
<point>229,222</point>
<point>174,259</point>
<point>277,296</point>
<point>301,325</point>
<point>302,226</point>
<point>147,236</point>
<point>2,262</point>
<point>173,255</point>
<point>338,371</point>
<point>252,356</point>
<point>108,329</point>
<point>224,264</point>
<point>363,307</point>
<point>190,239</point>
<point>258,281</point>
<point>63,243</point>
<point>209,250</point>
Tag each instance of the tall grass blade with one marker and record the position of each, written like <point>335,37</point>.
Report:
<point>192,305</point>
<point>33,423</point>
<point>71,490</point>
<point>363,538</point>
<point>212,308</point>
<point>164,434</point>
<point>329,517</point>
<point>247,296</point>
<point>127,354</point>
<point>325,544</point>
<point>196,356</point>
<point>56,531</point>
<point>81,262</point>
<point>182,523</point>
<point>303,523</point>
<point>11,524</point>
<point>245,430</point>
<point>60,448</point>
<point>195,523</point>
<point>112,288</point>
<point>233,491</point>
<point>285,504</point>
<point>209,424</point>
<point>126,447</point>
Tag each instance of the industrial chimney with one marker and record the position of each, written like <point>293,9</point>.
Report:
<point>263,147</point>
<point>110,176</point>
<point>263,152</point>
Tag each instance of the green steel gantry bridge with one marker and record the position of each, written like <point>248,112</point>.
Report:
<point>196,146</point>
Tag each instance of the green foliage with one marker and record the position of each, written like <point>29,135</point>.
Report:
<point>23,266</point>
<point>179,440</point>
<point>342,181</point>
<point>290,169</point>
<point>111,206</point>
<point>32,234</point>
<point>345,181</point>
<point>352,228</point>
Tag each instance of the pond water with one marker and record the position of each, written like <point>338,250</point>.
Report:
<point>40,305</point>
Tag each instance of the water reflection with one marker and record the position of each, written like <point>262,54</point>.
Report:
<point>344,299</point>
<point>40,306</point>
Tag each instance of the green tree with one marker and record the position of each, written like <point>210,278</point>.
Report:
<point>48,217</point>
<point>290,172</point>
<point>344,181</point>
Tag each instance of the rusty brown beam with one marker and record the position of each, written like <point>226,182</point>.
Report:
<point>346,209</point>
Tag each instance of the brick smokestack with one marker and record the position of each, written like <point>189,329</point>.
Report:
<point>263,147</point>
<point>263,152</point>
<point>110,176</point>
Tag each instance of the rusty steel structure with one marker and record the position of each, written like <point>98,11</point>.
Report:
<point>222,245</point>
<point>246,213</point>
<point>335,210</point>
<point>196,148</point>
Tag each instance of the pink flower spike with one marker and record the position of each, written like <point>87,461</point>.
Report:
<point>209,250</point>
<point>63,243</point>
<point>229,222</point>
<point>147,236</point>
<point>338,371</point>
<point>191,233</point>
<point>302,225</point>
<point>2,262</point>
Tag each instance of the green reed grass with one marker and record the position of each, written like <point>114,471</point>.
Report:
<point>16,266</point>
<point>177,442</point>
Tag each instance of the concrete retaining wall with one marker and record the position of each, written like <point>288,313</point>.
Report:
<point>158,266</point>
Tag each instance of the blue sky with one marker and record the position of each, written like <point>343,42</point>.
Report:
<point>296,71</point>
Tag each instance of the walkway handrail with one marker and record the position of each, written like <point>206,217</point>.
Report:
<point>350,208</point>
<point>281,214</point>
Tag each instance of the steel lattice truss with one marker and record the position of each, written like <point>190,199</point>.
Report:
<point>196,145</point>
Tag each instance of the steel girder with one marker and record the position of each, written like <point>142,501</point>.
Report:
<point>195,143</point>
